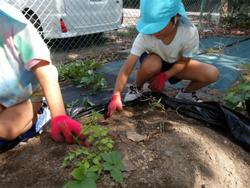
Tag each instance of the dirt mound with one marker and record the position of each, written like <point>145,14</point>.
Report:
<point>160,149</point>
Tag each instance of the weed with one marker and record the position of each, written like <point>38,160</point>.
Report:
<point>87,103</point>
<point>155,104</point>
<point>237,96</point>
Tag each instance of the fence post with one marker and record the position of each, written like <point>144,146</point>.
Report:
<point>201,14</point>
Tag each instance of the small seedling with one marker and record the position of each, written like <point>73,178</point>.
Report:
<point>87,103</point>
<point>156,104</point>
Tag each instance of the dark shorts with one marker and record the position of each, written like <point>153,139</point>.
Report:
<point>164,67</point>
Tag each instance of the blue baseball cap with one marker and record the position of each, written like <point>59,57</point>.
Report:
<point>156,14</point>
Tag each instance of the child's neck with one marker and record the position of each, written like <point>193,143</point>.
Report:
<point>167,40</point>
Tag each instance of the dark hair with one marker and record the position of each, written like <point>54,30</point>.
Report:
<point>173,18</point>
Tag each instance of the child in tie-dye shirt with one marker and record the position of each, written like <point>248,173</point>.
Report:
<point>26,71</point>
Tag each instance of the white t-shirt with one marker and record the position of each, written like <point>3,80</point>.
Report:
<point>185,43</point>
<point>21,48</point>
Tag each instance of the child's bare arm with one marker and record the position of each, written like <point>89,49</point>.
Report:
<point>124,73</point>
<point>121,80</point>
<point>49,83</point>
<point>178,67</point>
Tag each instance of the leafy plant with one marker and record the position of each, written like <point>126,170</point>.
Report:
<point>90,163</point>
<point>237,14</point>
<point>237,95</point>
<point>113,164</point>
<point>82,73</point>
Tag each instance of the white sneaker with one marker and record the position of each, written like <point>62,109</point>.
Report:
<point>42,119</point>
<point>188,96</point>
<point>134,93</point>
<point>145,87</point>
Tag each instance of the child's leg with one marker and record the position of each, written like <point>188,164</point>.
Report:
<point>16,120</point>
<point>1,108</point>
<point>150,66</point>
<point>200,74</point>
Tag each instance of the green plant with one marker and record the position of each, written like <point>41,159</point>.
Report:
<point>90,163</point>
<point>155,104</point>
<point>82,73</point>
<point>87,103</point>
<point>237,95</point>
<point>113,164</point>
<point>72,103</point>
<point>73,109</point>
<point>241,21</point>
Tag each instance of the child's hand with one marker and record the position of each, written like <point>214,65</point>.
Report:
<point>158,82</point>
<point>114,104</point>
<point>65,128</point>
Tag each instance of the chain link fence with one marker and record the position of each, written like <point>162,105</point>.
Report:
<point>94,28</point>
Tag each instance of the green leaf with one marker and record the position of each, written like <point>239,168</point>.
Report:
<point>106,157</point>
<point>96,160</point>
<point>117,175</point>
<point>104,140</point>
<point>72,184</point>
<point>68,158</point>
<point>85,80</point>
<point>116,157</point>
<point>88,183</point>
<point>109,145</point>
<point>233,99</point>
<point>78,173</point>
<point>113,157</point>
<point>86,165</point>
<point>94,168</point>
<point>87,103</point>
<point>107,166</point>
<point>89,180</point>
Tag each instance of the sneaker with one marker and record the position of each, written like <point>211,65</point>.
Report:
<point>188,96</point>
<point>134,93</point>
<point>43,117</point>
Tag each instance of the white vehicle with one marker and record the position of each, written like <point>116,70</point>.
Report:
<point>71,18</point>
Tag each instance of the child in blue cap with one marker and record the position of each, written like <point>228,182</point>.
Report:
<point>166,42</point>
<point>26,75</point>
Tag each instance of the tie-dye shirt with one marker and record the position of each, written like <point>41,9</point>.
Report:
<point>21,48</point>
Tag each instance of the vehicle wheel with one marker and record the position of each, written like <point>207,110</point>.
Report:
<point>33,18</point>
<point>97,37</point>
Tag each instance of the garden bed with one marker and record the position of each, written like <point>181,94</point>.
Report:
<point>159,149</point>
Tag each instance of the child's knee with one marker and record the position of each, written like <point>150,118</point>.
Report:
<point>151,64</point>
<point>6,131</point>
<point>213,74</point>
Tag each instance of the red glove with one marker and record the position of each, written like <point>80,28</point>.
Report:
<point>63,127</point>
<point>114,104</point>
<point>158,82</point>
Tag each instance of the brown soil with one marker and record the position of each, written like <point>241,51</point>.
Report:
<point>176,152</point>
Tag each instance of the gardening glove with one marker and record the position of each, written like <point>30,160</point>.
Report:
<point>158,82</point>
<point>114,104</point>
<point>65,128</point>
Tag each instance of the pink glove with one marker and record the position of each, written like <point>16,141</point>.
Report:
<point>63,127</point>
<point>114,104</point>
<point>158,82</point>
